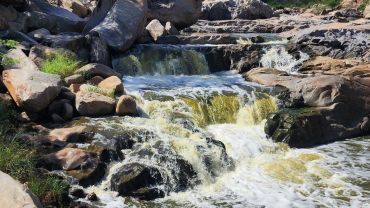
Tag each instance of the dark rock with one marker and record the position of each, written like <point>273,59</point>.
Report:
<point>39,34</point>
<point>92,197</point>
<point>63,108</point>
<point>94,69</point>
<point>181,13</point>
<point>55,19</point>
<point>77,192</point>
<point>253,9</point>
<point>135,176</point>
<point>99,51</point>
<point>120,27</point>
<point>74,79</point>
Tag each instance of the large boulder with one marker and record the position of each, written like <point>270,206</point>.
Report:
<point>14,194</point>
<point>252,9</point>
<point>32,90</point>
<point>113,84</point>
<point>39,53</point>
<point>181,13</point>
<point>94,104</point>
<point>217,10</point>
<point>126,105</point>
<point>55,19</point>
<point>118,23</point>
<point>20,61</point>
<point>336,106</point>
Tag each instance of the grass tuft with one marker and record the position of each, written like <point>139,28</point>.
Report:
<point>96,89</point>
<point>60,64</point>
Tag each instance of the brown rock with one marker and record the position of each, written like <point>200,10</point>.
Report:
<point>94,104</point>
<point>367,12</point>
<point>91,70</point>
<point>72,134</point>
<point>126,105</point>
<point>75,88</point>
<point>112,83</point>
<point>76,7</point>
<point>67,159</point>
<point>32,90</point>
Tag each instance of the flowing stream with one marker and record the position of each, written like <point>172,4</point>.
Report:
<point>179,113</point>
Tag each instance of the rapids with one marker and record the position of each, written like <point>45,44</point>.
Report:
<point>180,111</point>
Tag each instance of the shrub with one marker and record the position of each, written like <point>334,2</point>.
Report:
<point>60,64</point>
<point>301,3</point>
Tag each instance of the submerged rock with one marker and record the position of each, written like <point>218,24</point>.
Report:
<point>138,180</point>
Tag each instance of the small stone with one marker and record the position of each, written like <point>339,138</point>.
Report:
<point>155,29</point>
<point>92,197</point>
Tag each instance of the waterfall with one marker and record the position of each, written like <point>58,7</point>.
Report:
<point>279,58</point>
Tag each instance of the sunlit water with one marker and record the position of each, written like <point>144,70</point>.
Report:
<point>266,174</point>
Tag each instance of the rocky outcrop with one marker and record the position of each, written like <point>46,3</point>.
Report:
<point>253,9</point>
<point>94,104</point>
<point>335,107</point>
<point>15,194</point>
<point>32,90</point>
<point>181,13</point>
<point>55,19</point>
<point>119,27</point>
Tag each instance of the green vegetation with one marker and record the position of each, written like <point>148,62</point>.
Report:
<point>363,5</point>
<point>60,64</point>
<point>301,3</point>
<point>96,89</point>
<point>6,60</point>
<point>18,159</point>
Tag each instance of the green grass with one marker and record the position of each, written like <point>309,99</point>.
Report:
<point>60,64</point>
<point>18,159</point>
<point>363,5</point>
<point>301,3</point>
<point>4,59</point>
<point>96,89</point>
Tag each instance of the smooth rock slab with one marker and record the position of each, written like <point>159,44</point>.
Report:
<point>15,195</point>
<point>32,90</point>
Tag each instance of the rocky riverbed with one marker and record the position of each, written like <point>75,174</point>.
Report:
<point>171,103</point>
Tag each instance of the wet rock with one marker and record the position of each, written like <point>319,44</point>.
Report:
<point>348,42</point>
<point>90,173</point>
<point>5,99</point>
<point>95,69</point>
<point>77,192</point>
<point>94,104</point>
<point>57,118</point>
<point>181,13</point>
<point>335,106</point>
<point>39,34</point>
<point>132,178</point>
<point>112,84</point>
<point>72,134</point>
<point>92,197</point>
<point>121,26</point>
<point>253,9</point>
<point>155,29</point>
<point>55,19</point>
<point>15,194</point>
<point>95,80</point>
<point>32,90</point>
<point>67,159</point>
<point>74,79</point>
<point>126,105</point>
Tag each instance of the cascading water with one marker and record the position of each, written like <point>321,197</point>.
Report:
<point>184,118</point>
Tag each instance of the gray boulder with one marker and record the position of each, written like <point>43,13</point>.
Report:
<point>118,23</point>
<point>252,9</point>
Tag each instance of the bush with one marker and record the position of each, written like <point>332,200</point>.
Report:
<point>19,161</point>
<point>60,64</point>
<point>301,3</point>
